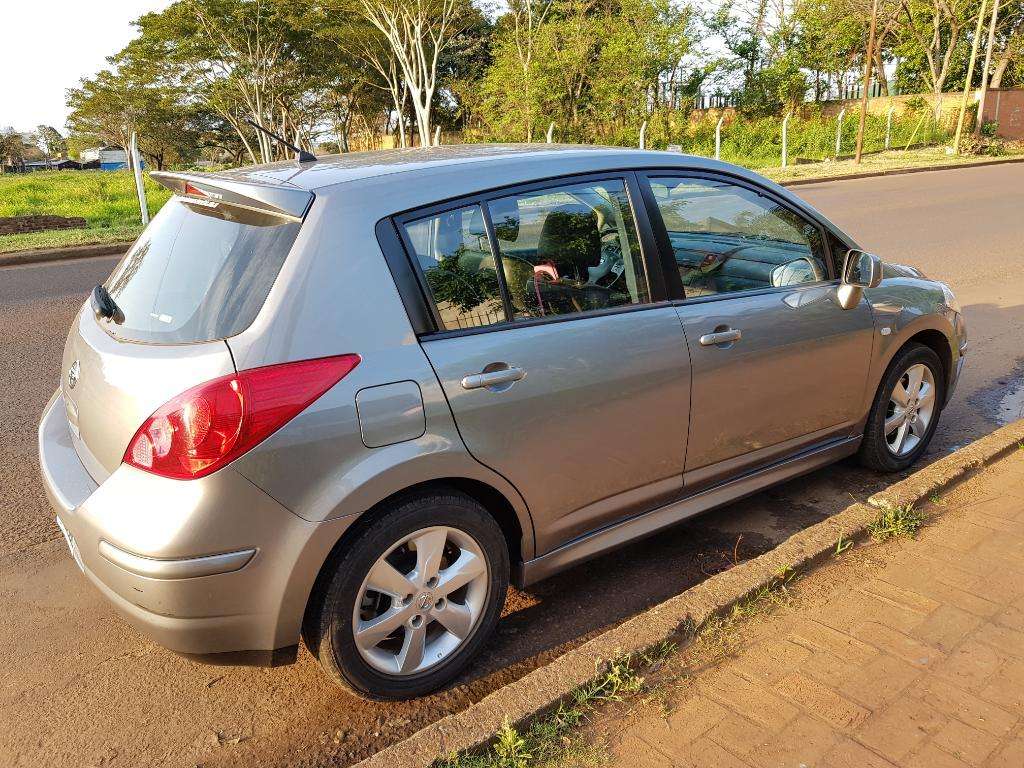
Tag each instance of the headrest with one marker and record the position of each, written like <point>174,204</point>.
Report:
<point>570,235</point>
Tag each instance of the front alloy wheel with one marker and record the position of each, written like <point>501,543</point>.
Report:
<point>905,410</point>
<point>420,601</point>
<point>910,410</point>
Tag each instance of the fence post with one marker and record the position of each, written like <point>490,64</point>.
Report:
<point>839,131</point>
<point>551,132</point>
<point>139,188</point>
<point>888,128</point>
<point>437,136</point>
<point>785,138</point>
<point>718,138</point>
<point>643,135</point>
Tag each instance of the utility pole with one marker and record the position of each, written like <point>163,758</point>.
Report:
<point>984,71</point>
<point>970,78</point>
<point>868,61</point>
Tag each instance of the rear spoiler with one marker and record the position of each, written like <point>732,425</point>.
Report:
<point>286,202</point>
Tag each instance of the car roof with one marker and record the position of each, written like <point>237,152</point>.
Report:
<point>419,162</point>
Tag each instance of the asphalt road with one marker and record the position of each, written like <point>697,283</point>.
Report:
<point>80,688</point>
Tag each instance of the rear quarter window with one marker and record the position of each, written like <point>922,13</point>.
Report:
<point>198,273</point>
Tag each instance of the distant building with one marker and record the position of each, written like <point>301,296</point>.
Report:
<point>109,158</point>
<point>55,164</point>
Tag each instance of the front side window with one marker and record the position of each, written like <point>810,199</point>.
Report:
<point>453,251</point>
<point>729,238</point>
<point>569,249</point>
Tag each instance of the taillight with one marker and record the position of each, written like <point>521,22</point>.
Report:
<point>212,424</point>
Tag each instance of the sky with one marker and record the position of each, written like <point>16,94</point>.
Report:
<point>71,40</point>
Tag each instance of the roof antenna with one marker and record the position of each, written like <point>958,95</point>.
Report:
<point>304,156</point>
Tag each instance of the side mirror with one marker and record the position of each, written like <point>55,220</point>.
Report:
<point>860,270</point>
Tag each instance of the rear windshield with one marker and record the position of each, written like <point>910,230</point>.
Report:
<point>198,273</point>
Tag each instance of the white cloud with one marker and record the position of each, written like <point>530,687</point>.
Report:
<point>49,45</point>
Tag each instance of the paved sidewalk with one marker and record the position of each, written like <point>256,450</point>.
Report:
<point>911,654</point>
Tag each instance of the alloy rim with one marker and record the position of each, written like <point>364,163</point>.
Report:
<point>910,411</point>
<point>420,601</point>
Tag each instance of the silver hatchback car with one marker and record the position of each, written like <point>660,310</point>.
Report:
<point>348,401</point>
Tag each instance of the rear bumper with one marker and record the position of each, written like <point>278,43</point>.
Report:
<point>210,566</point>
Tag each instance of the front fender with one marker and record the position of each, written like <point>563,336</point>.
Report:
<point>905,309</point>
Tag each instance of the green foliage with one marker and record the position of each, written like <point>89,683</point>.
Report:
<point>896,521</point>
<point>103,198</point>
<point>757,143</point>
<point>589,69</point>
<point>467,289</point>
<point>548,741</point>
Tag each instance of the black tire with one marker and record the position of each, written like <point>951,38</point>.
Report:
<point>328,628</point>
<point>874,450</point>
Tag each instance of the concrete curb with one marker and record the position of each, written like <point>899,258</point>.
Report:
<point>545,687</point>
<point>899,171</point>
<point>61,254</point>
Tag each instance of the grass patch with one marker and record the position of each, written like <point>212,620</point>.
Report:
<point>64,238</point>
<point>883,161</point>
<point>105,199</point>
<point>896,521</point>
<point>548,741</point>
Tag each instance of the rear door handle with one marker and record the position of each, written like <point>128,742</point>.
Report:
<point>721,337</point>
<point>494,380</point>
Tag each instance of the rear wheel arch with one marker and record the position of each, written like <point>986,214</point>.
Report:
<point>489,497</point>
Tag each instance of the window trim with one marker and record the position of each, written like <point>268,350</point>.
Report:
<point>668,261</point>
<point>419,300</point>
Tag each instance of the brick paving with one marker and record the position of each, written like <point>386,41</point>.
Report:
<point>919,664</point>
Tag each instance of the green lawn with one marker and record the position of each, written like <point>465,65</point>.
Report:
<point>105,199</point>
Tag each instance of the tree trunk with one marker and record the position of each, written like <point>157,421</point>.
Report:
<point>881,79</point>
<point>997,75</point>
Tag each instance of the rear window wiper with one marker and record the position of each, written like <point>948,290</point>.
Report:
<point>104,306</point>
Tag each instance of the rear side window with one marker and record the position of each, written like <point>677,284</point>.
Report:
<point>198,274</point>
<point>453,251</point>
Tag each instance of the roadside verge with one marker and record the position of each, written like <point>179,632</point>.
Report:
<point>60,254</point>
<point>545,687</point>
<point>899,171</point>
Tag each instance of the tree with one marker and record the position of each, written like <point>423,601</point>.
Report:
<point>117,102</point>
<point>419,32</point>
<point>51,141</point>
<point>933,29</point>
<point>594,70</point>
<point>12,148</point>
<point>527,21</point>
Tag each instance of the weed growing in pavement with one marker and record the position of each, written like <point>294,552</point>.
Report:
<point>935,498</point>
<point>842,545</point>
<point>548,741</point>
<point>717,637</point>
<point>894,521</point>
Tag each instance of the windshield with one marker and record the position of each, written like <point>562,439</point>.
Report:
<point>198,273</point>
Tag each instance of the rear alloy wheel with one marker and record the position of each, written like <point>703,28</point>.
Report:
<point>420,601</point>
<point>905,411</point>
<point>409,599</point>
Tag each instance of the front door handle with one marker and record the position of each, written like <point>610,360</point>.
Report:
<point>721,337</point>
<point>496,379</point>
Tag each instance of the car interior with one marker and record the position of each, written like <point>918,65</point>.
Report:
<point>727,238</point>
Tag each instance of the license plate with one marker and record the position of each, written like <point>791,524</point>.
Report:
<point>71,545</point>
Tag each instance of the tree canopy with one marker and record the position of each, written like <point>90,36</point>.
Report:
<point>357,74</point>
